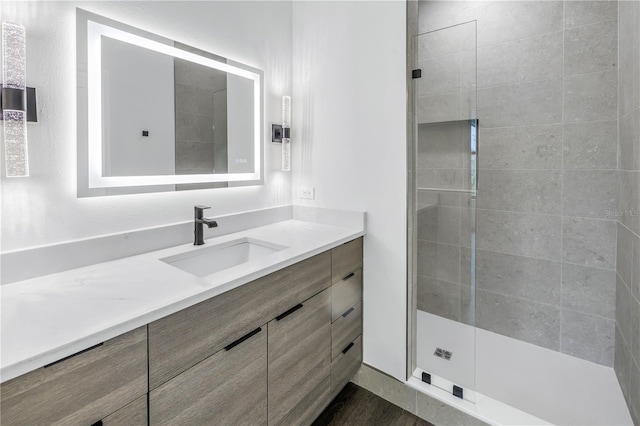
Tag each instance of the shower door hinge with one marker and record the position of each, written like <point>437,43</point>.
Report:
<point>416,73</point>
<point>458,391</point>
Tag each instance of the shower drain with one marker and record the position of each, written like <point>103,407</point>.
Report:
<point>443,353</point>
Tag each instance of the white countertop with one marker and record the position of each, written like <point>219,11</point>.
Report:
<point>47,318</point>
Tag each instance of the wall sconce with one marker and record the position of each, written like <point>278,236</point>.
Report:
<point>17,100</point>
<point>282,133</point>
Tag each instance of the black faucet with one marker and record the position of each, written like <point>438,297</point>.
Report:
<point>198,221</point>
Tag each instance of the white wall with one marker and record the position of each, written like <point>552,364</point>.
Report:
<point>43,208</point>
<point>349,142</point>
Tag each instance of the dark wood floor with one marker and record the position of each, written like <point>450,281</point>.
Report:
<point>356,406</point>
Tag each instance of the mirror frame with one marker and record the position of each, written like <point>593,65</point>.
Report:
<point>90,29</point>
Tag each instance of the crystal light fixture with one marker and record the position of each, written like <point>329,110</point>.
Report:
<point>286,130</point>
<point>14,100</point>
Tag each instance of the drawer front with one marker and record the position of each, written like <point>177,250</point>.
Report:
<point>181,340</point>
<point>82,389</point>
<point>346,259</point>
<point>346,365</point>
<point>345,294</point>
<point>228,388</point>
<point>134,414</point>
<point>300,362</point>
<point>345,329</point>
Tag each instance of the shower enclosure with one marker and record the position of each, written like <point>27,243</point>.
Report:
<point>517,290</point>
<point>447,149</point>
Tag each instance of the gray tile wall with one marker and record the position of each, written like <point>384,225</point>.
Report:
<point>200,148</point>
<point>547,103</point>
<point>627,296</point>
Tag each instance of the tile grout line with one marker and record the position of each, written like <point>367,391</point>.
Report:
<point>560,342</point>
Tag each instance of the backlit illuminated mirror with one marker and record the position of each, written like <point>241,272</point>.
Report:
<point>157,115</point>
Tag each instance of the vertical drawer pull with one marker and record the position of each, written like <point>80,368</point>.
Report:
<point>348,276</point>
<point>289,312</point>
<point>72,355</point>
<point>349,346</point>
<point>351,309</point>
<point>242,339</point>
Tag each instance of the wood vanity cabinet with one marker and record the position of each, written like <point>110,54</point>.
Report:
<point>300,361</point>
<point>228,388</point>
<point>134,414</point>
<point>181,340</point>
<point>274,351</point>
<point>346,313</point>
<point>81,389</point>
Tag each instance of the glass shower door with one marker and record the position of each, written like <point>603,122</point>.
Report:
<point>446,153</point>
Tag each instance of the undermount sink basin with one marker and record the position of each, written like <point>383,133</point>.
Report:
<point>211,259</point>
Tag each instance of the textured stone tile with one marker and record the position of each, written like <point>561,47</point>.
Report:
<point>439,298</point>
<point>194,128</point>
<point>591,97</point>
<point>468,70</point>
<point>589,242</point>
<point>448,225</point>
<point>624,254</point>
<point>635,284</point>
<point>634,393</point>
<point>528,147</point>
<point>195,156</point>
<point>629,200</point>
<point>440,179</point>
<point>538,102</point>
<point>439,107</point>
<point>386,387</point>
<point>199,76</point>
<point>622,363</point>
<point>529,191</point>
<point>435,15</point>
<point>630,141</point>
<point>523,277</point>
<point>518,61</point>
<point>520,319</point>
<point>589,290</point>
<point>624,311</point>
<point>511,20</point>
<point>591,48</point>
<point>193,100</point>
<point>441,74</point>
<point>629,67</point>
<point>444,145</point>
<point>590,145</point>
<point>442,42</point>
<point>439,413</point>
<point>522,234</point>
<point>583,12</point>
<point>440,261</point>
<point>427,221</point>
<point>590,193</point>
<point>588,337</point>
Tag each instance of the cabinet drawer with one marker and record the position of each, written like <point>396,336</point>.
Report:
<point>300,362</point>
<point>181,340</point>
<point>228,388</point>
<point>346,365</point>
<point>346,259</point>
<point>345,294</point>
<point>345,329</point>
<point>81,389</point>
<point>134,414</point>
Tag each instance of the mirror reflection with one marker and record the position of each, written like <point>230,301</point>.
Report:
<point>161,115</point>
